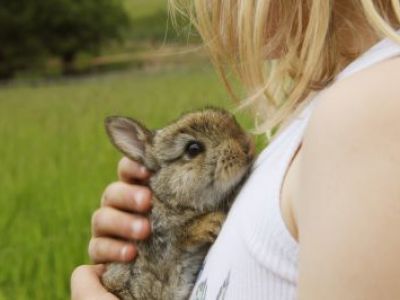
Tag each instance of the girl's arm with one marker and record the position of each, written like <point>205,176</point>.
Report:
<point>348,205</point>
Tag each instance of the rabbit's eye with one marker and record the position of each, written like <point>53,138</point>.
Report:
<point>194,148</point>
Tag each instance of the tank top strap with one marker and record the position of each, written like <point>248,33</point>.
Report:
<point>384,50</point>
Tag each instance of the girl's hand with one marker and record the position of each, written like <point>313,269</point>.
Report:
<point>119,221</point>
<point>85,284</point>
<point>114,227</point>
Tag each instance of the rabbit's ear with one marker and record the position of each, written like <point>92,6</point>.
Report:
<point>130,137</point>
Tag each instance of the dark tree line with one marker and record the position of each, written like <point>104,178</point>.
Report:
<point>32,30</point>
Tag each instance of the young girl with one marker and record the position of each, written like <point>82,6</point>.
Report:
<point>320,214</point>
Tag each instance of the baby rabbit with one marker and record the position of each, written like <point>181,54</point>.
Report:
<point>198,164</point>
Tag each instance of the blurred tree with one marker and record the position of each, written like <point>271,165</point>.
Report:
<point>20,44</point>
<point>72,26</point>
<point>30,29</point>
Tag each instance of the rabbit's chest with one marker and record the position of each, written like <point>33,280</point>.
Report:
<point>165,271</point>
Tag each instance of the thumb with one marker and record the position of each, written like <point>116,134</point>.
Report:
<point>86,284</point>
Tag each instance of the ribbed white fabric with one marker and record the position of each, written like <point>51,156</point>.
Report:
<point>254,256</point>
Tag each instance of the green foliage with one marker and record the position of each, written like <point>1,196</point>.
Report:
<point>139,8</point>
<point>19,40</point>
<point>151,22</point>
<point>72,26</point>
<point>157,27</point>
<point>30,29</point>
<point>32,32</point>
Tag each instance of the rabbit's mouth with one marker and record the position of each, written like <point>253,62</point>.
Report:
<point>233,165</point>
<point>230,179</point>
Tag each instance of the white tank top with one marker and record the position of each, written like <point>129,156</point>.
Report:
<point>255,256</point>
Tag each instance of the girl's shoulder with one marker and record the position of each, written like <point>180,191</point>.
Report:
<point>347,202</point>
<point>373,87</point>
<point>354,123</point>
<point>358,114</point>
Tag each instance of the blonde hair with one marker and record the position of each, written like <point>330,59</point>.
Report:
<point>304,36</point>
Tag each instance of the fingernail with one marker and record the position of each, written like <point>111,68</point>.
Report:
<point>137,227</point>
<point>143,170</point>
<point>139,198</point>
<point>124,252</point>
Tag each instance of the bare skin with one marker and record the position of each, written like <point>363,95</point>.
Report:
<point>85,284</point>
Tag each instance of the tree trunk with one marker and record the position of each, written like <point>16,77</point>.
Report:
<point>68,63</point>
<point>6,71</point>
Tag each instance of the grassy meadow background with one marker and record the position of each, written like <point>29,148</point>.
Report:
<point>55,159</point>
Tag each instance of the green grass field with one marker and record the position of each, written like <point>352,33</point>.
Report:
<point>56,160</point>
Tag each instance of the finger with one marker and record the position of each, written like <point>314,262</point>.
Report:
<point>85,284</point>
<point>104,249</point>
<point>108,221</point>
<point>124,196</point>
<point>130,171</point>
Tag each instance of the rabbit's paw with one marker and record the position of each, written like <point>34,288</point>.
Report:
<point>116,277</point>
<point>205,229</point>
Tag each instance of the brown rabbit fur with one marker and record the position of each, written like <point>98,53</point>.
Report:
<point>198,164</point>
